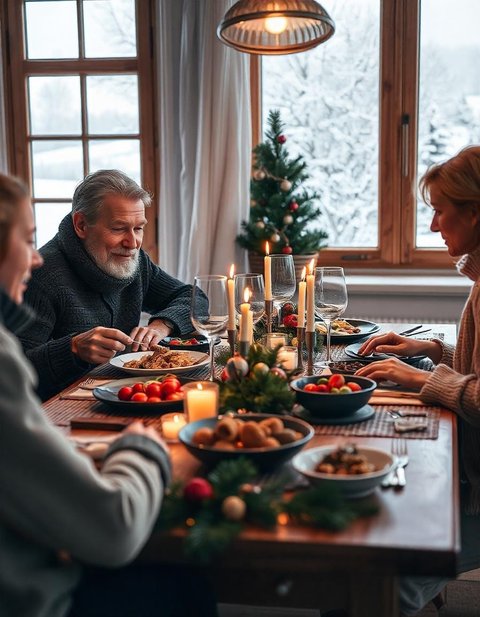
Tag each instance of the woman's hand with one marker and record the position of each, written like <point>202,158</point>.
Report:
<point>394,343</point>
<point>394,370</point>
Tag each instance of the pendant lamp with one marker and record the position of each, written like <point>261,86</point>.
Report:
<point>275,27</point>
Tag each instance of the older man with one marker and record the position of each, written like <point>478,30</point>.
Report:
<point>95,282</point>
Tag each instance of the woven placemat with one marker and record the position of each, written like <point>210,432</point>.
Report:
<point>381,424</point>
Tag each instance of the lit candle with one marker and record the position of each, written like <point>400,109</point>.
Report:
<point>171,425</point>
<point>274,339</point>
<point>288,357</point>
<point>267,273</point>
<point>311,297</point>
<point>302,286</point>
<point>231,299</point>
<point>250,327</point>
<point>201,400</point>
<point>244,319</point>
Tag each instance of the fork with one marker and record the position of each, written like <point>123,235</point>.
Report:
<point>399,450</point>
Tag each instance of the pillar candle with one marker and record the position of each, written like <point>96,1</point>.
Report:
<point>201,400</point>
<point>244,311</point>
<point>250,327</point>
<point>231,299</point>
<point>302,286</point>
<point>288,357</point>
<point>310,299</point>
<point>267,273</point>
<point>171,425</point>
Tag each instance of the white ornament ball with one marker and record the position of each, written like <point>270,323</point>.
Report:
<point>237,367</point>
<point>288,219</point>
<point>285,185</point>
<point>234,508</point>
<point>275,238</point>
<point>260,224</point>
<point>259,174</point>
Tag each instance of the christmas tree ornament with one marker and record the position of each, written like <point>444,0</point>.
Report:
<point>287,250</point>
<point>198,489</point>
<point>279,372</point>
<point>259,174</point>
<point>237,367</point>
<point>285,185</point>
<point>234,508</point>
<point>281,139</point>
<point>275,238</point>
<point>260,368</point>
<point>288,219</point>
<point>260,225</point>
<point>293,206</point>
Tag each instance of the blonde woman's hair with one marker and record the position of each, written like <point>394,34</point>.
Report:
<point>12,192</point>
<point>458,179</point>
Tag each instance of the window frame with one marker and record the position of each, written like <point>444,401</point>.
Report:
<point>17,70</point>
<point>398,120</point>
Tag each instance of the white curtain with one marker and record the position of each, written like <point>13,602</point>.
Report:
<point>205,140</point>
<point>3,135</point>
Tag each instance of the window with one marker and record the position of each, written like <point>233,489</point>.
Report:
<point>81,98</point>
<point>369,119</point>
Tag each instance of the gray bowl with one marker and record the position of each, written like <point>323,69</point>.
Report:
<point>263,458</point>
<point>327,405</point>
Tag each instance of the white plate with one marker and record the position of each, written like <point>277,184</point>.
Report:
<point>352,486</point>
<point>199,359</point>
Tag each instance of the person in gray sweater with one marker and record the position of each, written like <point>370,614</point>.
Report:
<point>63,524</point>
<point>95,283</point>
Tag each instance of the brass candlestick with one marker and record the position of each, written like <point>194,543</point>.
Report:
<point>243,347</point>
<point>231,340</point>
<point>269,313</point>
<point>309,342</point>
<point>300,339</point>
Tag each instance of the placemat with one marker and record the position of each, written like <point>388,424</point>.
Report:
<point>382,425</point>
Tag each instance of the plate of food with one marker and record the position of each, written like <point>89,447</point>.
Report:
<point>194,343</point>
<point>344,330</point>
<point>352,351</point>
<point>160,361</point>
<point>143,395</point>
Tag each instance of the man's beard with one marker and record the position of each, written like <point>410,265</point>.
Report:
<point>119,270</point>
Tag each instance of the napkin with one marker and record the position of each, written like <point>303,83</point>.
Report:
<point>395,397</point>
<point>79,394</point>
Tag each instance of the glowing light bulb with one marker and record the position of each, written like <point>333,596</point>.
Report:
<point>276,25</point>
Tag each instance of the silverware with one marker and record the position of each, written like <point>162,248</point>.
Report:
<point>415,333</point>
<point>406,413</point>
<point>399,449</point>
<point>410,330</point>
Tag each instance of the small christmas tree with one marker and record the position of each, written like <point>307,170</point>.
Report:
<point>280,209</point>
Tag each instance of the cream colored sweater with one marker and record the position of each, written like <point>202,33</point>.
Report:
<point>455,382</point>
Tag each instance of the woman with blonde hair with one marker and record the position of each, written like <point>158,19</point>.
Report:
<point>452,189</point>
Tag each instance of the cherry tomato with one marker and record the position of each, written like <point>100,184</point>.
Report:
<point>311,387</point>
<point>174,396</point>
<point>154,399</point>
<point>169,387</point>
<point>193,341</point>
<point>125,393</point>
<point>354,387</point>
<point>138,387</point>
<point>153,389</point>
<point>322,387</point>
<point>344,390</point>
<point>336,381</point>
<point>139,397</point>
<point>175,341</point>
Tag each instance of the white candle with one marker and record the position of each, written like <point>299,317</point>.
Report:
<point>250,327</point>
<point>171,425</point>
<point>310,298</point>
<point>274,339</point>
<point>302,286</point>
<point>244,320</point>
<point>231,299</point>
<point>288,357</point>
<point>267,273</point>
<point>201,400</point>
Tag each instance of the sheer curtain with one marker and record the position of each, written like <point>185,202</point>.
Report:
<point>3,136</point>
<point>205,140</point>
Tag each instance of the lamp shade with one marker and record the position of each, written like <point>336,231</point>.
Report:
<point>275,27</point>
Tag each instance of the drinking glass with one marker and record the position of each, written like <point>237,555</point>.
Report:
<point>283,279</point>
<point>254,282</point>
<point>209,310</point>
<point>330,298</point>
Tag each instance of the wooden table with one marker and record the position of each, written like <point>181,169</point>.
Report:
<point>415,532</point>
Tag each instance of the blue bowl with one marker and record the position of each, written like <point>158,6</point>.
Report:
<point>327,405</point>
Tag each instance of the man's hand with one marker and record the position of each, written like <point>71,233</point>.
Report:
<point>144,337</point>
<point>99,344</point>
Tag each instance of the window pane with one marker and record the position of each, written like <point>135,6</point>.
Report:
<point>57,168</point>
<point>449,104</point>
<point>109,28</point>
<point>112,104</point>
<point>51,29</point>
<point>47,220</point>
<point>122,154</point>
<point>328,98</point>
<point>55,105</point>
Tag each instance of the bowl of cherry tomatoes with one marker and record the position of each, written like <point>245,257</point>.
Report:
<point>148,395</point>
<point>198,343</point>
<point>334,395</point>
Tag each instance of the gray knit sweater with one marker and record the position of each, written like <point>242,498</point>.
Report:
<point>455,382</point>
<point>70,294</point>
<point>56,509</point>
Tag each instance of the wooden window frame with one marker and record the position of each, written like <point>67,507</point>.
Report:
<point>399,69</point>
<point>17,70</point>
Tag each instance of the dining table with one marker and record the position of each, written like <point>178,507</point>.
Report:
<point>414,532</point>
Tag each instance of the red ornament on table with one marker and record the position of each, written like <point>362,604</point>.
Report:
<point>287,250</point>
<point>197,490</point>
<point>293,206</point>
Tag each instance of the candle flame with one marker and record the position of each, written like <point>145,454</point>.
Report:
<point>232,270</point>
<point>247,294</point>
<point>267,248</point>
<point>199,386</point>
<point>304,273</point>
<point>311,266</point>
<point>176,418</point>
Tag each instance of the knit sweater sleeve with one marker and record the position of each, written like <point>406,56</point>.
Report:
<point>55,496</point>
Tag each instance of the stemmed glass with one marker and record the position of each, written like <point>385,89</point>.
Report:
<point>283,279</point>
<point>254,282</point>
<point>209,310</point>
<point>330,298</point>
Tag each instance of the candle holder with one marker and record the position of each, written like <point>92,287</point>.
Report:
<point>200,400</point>
<point>231,340</point>
<point>269,314</point>
<point>309,342</point>
<point>171,425</point>
<point>300,340</point>
<point>274,339</point>
<point>243,347</point>
<point>287,356</point>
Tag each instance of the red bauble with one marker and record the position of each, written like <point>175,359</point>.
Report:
<point>197,490</point>
<point>293,206</point>
<point>287,250</point>
<point>281,139</point>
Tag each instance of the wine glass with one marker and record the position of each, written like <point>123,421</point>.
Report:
<point>209,310</point>
<point>283,279</point>
<point>254,283</point>
<point>330,298</point>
